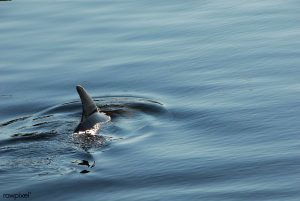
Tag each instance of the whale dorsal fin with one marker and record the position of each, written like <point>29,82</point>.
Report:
<point>88,105</point>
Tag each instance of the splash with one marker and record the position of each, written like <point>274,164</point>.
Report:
<point>93,131</point>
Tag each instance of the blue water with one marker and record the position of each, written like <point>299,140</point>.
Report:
<point>204,98</point>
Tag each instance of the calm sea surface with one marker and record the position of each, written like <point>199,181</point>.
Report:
<point>204,98</point>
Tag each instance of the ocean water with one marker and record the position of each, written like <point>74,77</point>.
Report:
<point>204,98</point>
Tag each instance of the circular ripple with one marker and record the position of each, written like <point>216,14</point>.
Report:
<point>35,139</point>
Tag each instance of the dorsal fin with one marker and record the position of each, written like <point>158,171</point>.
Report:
<point>88,105</point>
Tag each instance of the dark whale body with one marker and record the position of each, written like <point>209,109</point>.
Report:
<point>92,117</point>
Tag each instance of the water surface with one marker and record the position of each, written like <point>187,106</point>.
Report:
<point>204,99</point>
